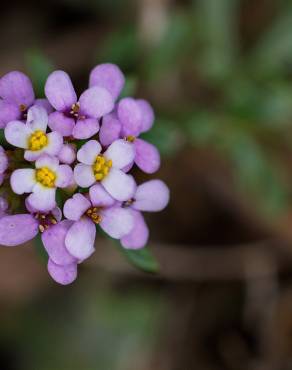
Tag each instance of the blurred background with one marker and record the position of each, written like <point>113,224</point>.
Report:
<point>219,75</point>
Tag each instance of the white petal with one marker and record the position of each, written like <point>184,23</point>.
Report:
<point>117,222</point>
<point>17,134</point>
<point>88,152</point>
<point>119,185</point>
<point>121,152</point>
<point>64,176</point>
<point>42,198</point>
<point>23,180</point>
<point>37,118</point>
<point>55,143</point>
<point>47,161</point>
<point>83,175</point>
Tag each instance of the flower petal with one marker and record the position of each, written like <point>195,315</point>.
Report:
<point>17,229</point>
<point>116,221</point>
<point>121,152</point>
<point>45,104</point>
<point>8,112</point>
<point>88,152</point>
<point>130,116</point>
<point>64,176</point>
<point>96,102</point>
<point>60,91</point>
<point>108,76</point>
<point>83,175</point>
<point>85,128</point>
<point>67,154</point>
<point>110,129</point>
<point>139,235</point>
<point>99,197</point>
<point>37,118</point>
<point>23,180</point>
<point>62,274</point>
<point>147,156</point>
<point>17,134</point>
<point>147,115</point>
<point>3,160</point>
<point>119,185</point>
<point>80,238</point>
<point>54,243</point>
<point>76,206</point>
<point>16,87</point>
<point>55,143</point>
<point>42,198</point>
<point>47,161</point>
<point>151,196</point>
<point>61,123</point>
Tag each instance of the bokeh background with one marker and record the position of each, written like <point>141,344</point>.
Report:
<point>219,75</point>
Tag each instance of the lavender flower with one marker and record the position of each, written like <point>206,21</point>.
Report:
<point>3,164</point>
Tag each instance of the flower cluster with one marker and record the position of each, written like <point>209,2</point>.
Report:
<point>65,162</point>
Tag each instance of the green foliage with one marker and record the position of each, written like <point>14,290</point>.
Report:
<point>142,259</point>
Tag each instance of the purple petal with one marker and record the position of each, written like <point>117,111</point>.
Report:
<point>110,130</point>
<point>130,116</point>
<point>119,185</point>
<point>62,274</point>
<point>96,102</point>
<point>121,152</point>
<point>99,197</point>
<point>16,87</point>
<point>147,156</point>
<point>60,91</point>
<point>85,128</point>
<point>139,235</point>
<point>23,180</point>
<point>54,243</point>
<point>61,123</point>
<point>75,207</point>
<point>64,176</point>
<point>45,104</point>
<point>109,76</point>
<point>116,221</point>
<point>80,238</point>
<point>151,196</point>
<point>8,112</point>
<point>147,115</point>
<point>83,175</point>
<point>67,154</point>
<point>17,229</point>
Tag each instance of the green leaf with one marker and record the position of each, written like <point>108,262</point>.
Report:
<point>142,259</point>
<point>39,247</point>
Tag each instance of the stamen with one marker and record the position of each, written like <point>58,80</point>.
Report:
<point>22,108</point>
<point>37,141</point>
<point>46,177</point>
<point>101,167</point>
<point>130,138</point>
<point>93,214</point>
<point>75,110</point>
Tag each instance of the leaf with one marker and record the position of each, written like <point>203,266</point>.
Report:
<point>142,259</point>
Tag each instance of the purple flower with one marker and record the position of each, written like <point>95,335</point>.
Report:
<point>3,164</point>
<point>99,208</point>
<point>151,196</point>
<point>67,154</point>
<point>106,168</point>
<point>132,117</point>
<point>3,207</point>
<point>16,97</point>
<point>76,117</point>
<point>41,182</point>
<point>32,136</point>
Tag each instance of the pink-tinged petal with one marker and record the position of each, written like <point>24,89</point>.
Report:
<point>37,118</point>
<point>128,168</point>
<point>3,206</point>
<point>151,196</point>
<point>45,104</point>
<point>83,175</point>
<point>130,116</point>
<point>61,123</point>
<point>64,176</point>
<point>42,198</point>
<point>119,185</point>
<point>23,180</point>
<point>8,112</point>
<point>96,102</point>
<point>76,206</point>
<point>55,143</point>
<point>116,221</point>
<point>67,154</point>
<point>57,213</point>
<point>17,229</point>
<point>33,155</point>
<point>99,197</point>
<point>54,242</point>
<point>60,91</point>
<point>110,130</point>
<point>16,87</point>
<point>88,152</point>
<point>139,235</point>
<point>80,238</point>
<point>17,134</point>
<point>147,156</point>
<point>108,76</point>
<point>85,128</point>
<point>47,161</point>
<point>121,152</point>
<point>63,275</point>
<point>3,160</point>
<point>147,115</point>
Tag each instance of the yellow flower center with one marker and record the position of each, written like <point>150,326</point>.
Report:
<point>93,214</point>
<point>130,138</point>
<point>46,177</point>
<point>38,140</point>
<point>101,167</point>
